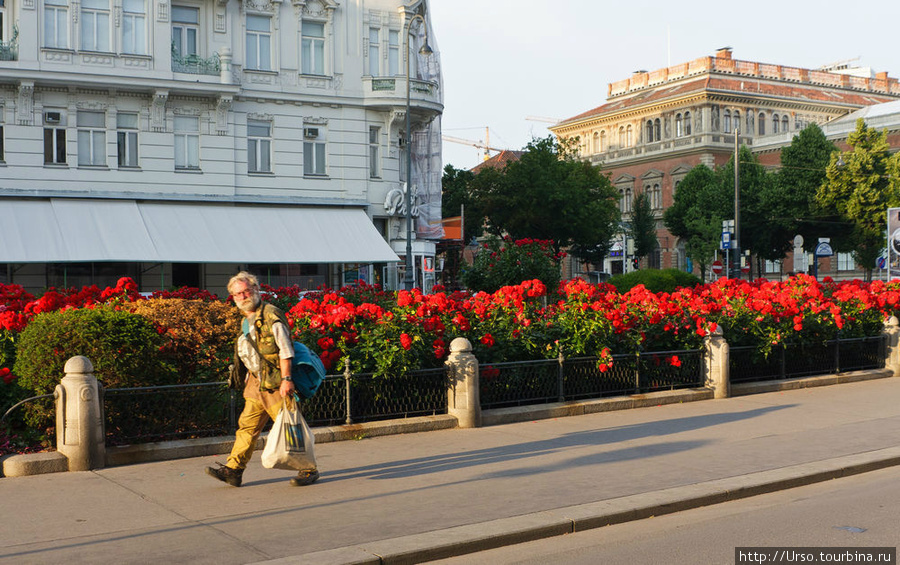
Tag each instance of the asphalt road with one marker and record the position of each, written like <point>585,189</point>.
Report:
<point>858,511</point>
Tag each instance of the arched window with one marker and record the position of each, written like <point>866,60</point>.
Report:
<point>774,123</point>
<point>656,131</point>
<point>679,128</point>
<point>784,123</point>
<point>603,141</point>
<point>627,200</point>
<point>621,136</point>
<point>629,139</point>
<point>762,123</point>
<point>621,200</point>
<point>649,131</point>
<point>656,197</point>
<point>596,147</point>
<point>736,121</point>
<point>726,121</point>
<point>687,123</point>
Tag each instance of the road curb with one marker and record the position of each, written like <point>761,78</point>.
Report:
<point>469,538</point>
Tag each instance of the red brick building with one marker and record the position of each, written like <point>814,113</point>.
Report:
<point>656,126</point>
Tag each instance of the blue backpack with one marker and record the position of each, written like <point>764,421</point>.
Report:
<point>307,370</point>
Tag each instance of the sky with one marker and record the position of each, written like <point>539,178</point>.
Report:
<point>504,61</point>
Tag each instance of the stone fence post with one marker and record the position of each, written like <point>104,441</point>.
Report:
<point>892,349</point>
<point>715,368</point>
<point>79,420</point>
<point>463,397</point>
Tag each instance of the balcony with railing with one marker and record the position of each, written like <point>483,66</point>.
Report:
<point>196,65</point>
<point>9,50</point>
<point>390,92</point>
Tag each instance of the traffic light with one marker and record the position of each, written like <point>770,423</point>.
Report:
<point>635,263</point>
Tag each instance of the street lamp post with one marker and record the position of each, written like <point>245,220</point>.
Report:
<point>409,278</point>
<point>737,206</point>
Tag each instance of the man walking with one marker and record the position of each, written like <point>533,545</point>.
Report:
<point>262,365</point>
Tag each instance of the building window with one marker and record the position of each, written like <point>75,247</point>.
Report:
<point>656,197</point>
<point>393,52</point>
<point>134,27</point>
<point>312,46</point>
<point>187,142</point>
<point>185,29</point>
<point>736,121</point>
<point>374,59</point>
<point>2,152</point>
<point>679,126</point>
<point>726,121</point>
<point>374,135</point>
<point>259,43</point>
<point>56,24</point>
<point>629,140</point>
<point>649,131</point>
<point>775,123</point>
<point>784,124</point>
<point>259,146</point>
<point>761,120</point>
<point>845,262</point>
<point>687,123</point>
<point>127,139</point>
<point>95,25</point>
<point>628,201</point>
<point>313,151</point>
<point>621,136</point>
<point>657,133</point>
<point>603,141</point>
<point>91,139</point>
<point>54,138</point>
<point>773,267</point>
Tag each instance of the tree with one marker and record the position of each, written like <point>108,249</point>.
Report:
<point>755,224</point>
<point>859,188</point>
<point>456,193</point>
<point>696,215</point>
<point>642,228</point>
<point>549,194</point>
<point>791,198</point>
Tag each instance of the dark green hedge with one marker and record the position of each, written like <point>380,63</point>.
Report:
<point>655,280</point>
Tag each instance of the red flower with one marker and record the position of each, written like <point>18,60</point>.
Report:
<point>488,340</point>
<point>675,361</point>
<point>405,341</point>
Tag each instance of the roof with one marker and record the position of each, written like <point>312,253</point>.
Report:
<point>499,160</point>
<point>869,112</point>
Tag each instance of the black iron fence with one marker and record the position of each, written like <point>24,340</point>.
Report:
<point>789,360</point>
<point>147,414</point>
<point>557,380</point>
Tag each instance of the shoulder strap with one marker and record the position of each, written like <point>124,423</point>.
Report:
<point>259,322</point>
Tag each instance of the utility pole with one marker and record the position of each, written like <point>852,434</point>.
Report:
<point>737,205</point>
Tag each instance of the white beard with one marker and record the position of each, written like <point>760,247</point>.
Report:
<point>249,304</point>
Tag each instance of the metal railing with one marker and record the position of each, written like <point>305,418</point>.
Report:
<point>788,360</point>
<point>9,50</point>
<point>557,380</point>
<point>195,65</point>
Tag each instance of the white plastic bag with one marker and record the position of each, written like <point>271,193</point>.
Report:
<point>290,442</point>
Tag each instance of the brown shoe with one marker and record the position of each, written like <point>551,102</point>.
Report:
<point>305,478</point>
<point>226,474</point>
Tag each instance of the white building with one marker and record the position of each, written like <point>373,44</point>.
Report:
<point>179,142</point>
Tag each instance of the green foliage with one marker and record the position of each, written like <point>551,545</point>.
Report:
<point>697,212</point>
<point>548,194</point>
<point>507,262</point>
<point>858,190</point>
<point>643,226</point>
<point>665,280</point>
<point>123,347</point>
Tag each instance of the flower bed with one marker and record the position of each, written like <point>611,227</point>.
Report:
<point>390,334</point>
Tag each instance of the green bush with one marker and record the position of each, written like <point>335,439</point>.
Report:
<point>123,347</point>
<point>509,262</point>
<point>655,280</point>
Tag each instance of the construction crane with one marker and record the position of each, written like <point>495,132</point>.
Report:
<point>542,119</point>
<point>486,145</point>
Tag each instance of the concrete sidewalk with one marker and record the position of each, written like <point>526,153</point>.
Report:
<point>416,497</point>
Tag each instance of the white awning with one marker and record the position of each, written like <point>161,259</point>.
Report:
<point>82,230</point>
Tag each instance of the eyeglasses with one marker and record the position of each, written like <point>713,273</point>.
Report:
<point>241,293</point>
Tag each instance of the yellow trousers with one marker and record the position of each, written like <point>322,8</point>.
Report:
<point>253,419</point>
